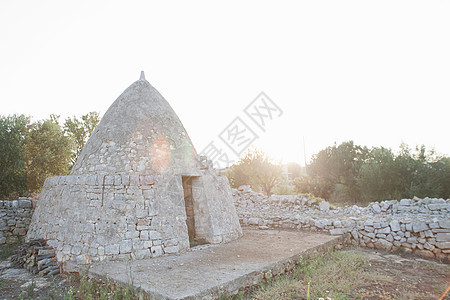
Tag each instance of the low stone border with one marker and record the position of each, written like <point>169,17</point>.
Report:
<point>420,226</point>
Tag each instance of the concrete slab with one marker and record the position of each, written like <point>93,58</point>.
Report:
<point>208,271</point>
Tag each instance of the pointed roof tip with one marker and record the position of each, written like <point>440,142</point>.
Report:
<point>142,76</point>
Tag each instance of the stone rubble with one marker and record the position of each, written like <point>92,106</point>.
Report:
<point>420,226</point>
<point>37,257</point>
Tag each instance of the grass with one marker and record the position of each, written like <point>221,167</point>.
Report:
<point>84,287</point>
<point>333,275</point>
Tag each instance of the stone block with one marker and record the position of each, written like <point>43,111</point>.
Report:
<point>144,235</point>
<point>412,239</point>
<point>132,234</point>
<point>24,203</point>
<point>428,233</point>
<point>443,245</point>
<point>444,224</point>
<point>141,254</point>
<point>337,231</point>
<point>117,180</point>
<point>405,202</point>
<point>125,246</point>
<point>389,238</point>
<point>395,225</point>
<point>443,237</point>
<point>421,240</point>
<point>324,206</point>
<point>376,208</point>
<point>369,229</point>
<point>138,244</point>
<point>385,230</point>
<point>134,180</point>
<point>337,223</point>
<point>253,221</point>
<point>126,180</point>
<point>368,223</point>
<point>434,225</point>
<point>428,246</point>
<point>419,226</point>
<point>111,249</point>
<point>425,253</point>
<point>156,251</point>
<point>319,224</point>
<point>171,249</point>
<point>109,180</point>
<point>383,244</point>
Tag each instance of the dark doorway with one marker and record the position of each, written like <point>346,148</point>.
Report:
<point>189,204</point>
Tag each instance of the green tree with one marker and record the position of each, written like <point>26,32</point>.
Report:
<point>257,170</point>
<point>47,152</point>
<point>314,185</point>
<point>12,167</point>
<point>378,176</point>
<point>80,130</point>
<point>339,166</point>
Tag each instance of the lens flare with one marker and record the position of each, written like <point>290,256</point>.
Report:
<point>160,154</point>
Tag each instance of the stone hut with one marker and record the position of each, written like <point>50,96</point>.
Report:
<point>138,189</point>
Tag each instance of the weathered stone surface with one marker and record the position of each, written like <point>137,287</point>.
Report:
<point>337,231</point>
<point>395,225</point>
<point>324,206</point>
<point>444,224</point>
<point>419,226</point>
<point>443,237</point>
<point>383,244</point>
<point>376,208</point>
<point>15,217</point>
<point>366,227</point>
<point>425,253</point>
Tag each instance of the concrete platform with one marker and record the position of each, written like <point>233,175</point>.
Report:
<point>208,271</point>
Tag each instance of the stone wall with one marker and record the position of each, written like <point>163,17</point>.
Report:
<point>94,218</point>
<point>15,218</point>
<point>88,218</point>
<point>414,225</point>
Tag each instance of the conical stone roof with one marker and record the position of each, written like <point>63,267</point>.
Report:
<point>139,134</point>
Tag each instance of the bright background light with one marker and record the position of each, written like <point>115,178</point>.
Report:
<point>376,72</point>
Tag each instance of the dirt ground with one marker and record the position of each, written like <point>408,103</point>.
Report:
<point>19,283</point>
<point>405,276</point>
<point>399,277</point>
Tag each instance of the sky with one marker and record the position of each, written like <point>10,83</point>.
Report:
<point>375,72</point>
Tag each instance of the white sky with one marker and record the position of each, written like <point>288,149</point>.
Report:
<point>376,72</point>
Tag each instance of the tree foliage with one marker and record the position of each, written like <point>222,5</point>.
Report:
<point>257,170</point>
<point>80,130</point>
<point>12,169</point>
<point>355,174</point>
<point>29,153</point>
<point>47,152</point>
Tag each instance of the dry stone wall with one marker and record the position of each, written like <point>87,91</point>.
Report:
<point>15,218</point>
<point>110,217</point>
<point>414,225</point>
